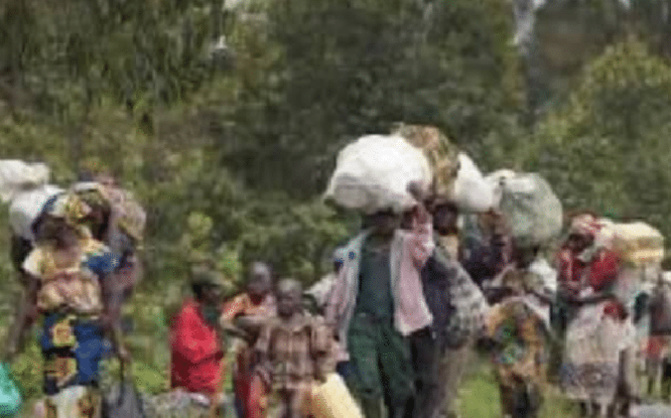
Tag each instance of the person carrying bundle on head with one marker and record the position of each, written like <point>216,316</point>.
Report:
<point>68,275</point>
<point>518,332</point>
<point>378,301</point>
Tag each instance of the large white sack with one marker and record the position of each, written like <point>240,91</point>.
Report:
<point>17,176</point>
<point>472,193</point>
<point>27,206</point>
<point>373,174</point>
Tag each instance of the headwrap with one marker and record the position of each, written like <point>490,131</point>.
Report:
<point>585,225</point>
<point>68,206</point>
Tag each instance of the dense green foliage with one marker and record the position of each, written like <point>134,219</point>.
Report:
<point>230,146</point>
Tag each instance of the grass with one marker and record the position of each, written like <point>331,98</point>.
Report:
<point>479,396</point>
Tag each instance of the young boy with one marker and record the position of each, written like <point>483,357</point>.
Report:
<point>246,313</point>
<point>294,350</point>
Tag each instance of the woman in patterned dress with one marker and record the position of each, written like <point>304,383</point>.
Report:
<point>68,271</point>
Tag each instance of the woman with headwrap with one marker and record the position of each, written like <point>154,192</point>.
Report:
<point>597,323</point>
<point>68,276</point>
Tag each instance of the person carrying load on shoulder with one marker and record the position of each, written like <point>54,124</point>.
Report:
<point>244,316</point>
<point>377,302</point>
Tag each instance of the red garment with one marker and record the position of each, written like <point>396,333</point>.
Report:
<point>242,305</point>
<point>257,406</point>
<point>604,269</point>
<point>196,352</point>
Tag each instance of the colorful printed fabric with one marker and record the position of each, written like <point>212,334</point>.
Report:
<point>242,305</point>
<point>72,349</point>
<point>520,336</point>
<point>128,212</point>
<point>76,287</point>
<point>594,341</point>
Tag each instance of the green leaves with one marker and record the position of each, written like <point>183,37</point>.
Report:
<point>604,148</point>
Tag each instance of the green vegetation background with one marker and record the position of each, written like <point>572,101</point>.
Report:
<point>229,147</point>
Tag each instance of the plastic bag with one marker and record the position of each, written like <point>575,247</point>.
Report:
<point>10,395</point>
<point>472,192</point>
<point>533,211</point>
<point>17,176</point>
<point>373,174</point>
<point>27,206</point>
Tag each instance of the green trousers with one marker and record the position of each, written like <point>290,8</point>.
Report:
<point>382,367</point>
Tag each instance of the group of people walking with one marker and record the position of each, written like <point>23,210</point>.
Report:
<point>412,296</point>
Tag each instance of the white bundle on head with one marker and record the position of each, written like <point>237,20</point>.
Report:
<point>605,237</point>
<point>18,176</point>
<point>374,172</point>
<point>27,206</point>
<point>472,193</point>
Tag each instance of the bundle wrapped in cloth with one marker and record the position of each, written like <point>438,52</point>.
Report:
<point>27,206</point>
<point>472,192</point>
<point>637,243</point>
<point>18,176</point>
<point>533,210</point>
<point>439,151</point>
<point>374,172</point>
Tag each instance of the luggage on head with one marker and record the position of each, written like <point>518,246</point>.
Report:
<point>373,174</point>
<point>638,243</point>
<point>472,192</point>
<point>438,150</point>
<point>533,210</point>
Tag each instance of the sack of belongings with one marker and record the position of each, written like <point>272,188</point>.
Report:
<point>27,206</point>
<point>638,243</point>
<point>472,192</point>
<point>18,176</point>
<point>438,150</point>
<point>533,210</point>
<point>374,172</point>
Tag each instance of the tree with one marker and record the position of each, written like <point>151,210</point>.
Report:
<point>606,148</point>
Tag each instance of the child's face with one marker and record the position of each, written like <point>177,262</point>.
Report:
<point>288,301</point>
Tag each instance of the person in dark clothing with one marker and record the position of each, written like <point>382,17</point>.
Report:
<point>430,350</point>
<point>485,255</point>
